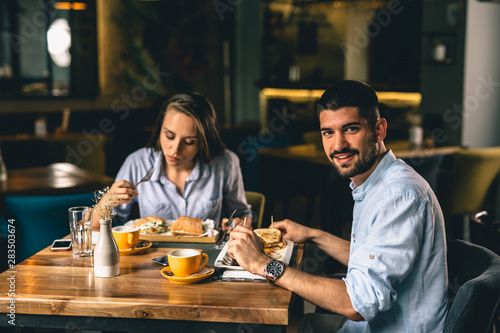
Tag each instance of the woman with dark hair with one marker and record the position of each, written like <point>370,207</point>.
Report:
<point>195,175</point>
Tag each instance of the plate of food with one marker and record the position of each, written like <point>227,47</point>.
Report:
<point>274,246</point>
<point>184,229</point>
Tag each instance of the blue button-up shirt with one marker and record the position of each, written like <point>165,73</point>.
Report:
<point>397,272</point>
<point>212,191</point>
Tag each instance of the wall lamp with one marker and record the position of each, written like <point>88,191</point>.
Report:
<point>70,5</point>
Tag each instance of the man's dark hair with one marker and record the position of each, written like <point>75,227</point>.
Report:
<point>351,93</point>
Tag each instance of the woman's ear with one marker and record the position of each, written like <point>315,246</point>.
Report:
<point>381,129</point>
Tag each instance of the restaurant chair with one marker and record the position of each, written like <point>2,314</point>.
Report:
<point>257,201</point>
<point>474,288</point>
<point>39,220</point>
<point>484,231</point>
<point>467,187</point>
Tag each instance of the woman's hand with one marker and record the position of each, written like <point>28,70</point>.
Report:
<point>121,192</point>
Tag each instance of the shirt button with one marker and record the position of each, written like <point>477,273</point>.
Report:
<point>371,256</point>
<point>353,235</point>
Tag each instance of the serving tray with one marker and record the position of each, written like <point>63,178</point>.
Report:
<point>210,236</point>
<point>169,238</point>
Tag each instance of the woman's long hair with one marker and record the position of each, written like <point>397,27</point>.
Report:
<point>197,107</point>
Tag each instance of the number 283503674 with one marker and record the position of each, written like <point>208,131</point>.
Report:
<point>11,244</point>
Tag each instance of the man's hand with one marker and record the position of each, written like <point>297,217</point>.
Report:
<point>246,247</point>
<point>293,231</point>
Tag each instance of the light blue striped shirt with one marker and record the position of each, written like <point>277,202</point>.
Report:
<point>212,191</point>
<point>397,272</point>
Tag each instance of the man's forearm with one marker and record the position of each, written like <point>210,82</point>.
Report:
<point>330,294</point>
<point>334,246</point>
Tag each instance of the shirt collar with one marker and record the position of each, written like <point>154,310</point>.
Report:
<point>358,193</point>
<point>197,171</point>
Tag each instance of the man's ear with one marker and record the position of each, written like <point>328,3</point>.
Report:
<point>381,129</point>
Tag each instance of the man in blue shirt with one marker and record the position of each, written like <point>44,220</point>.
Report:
<point>396,277</point>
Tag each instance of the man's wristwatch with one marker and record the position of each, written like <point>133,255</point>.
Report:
<point>274,270</point>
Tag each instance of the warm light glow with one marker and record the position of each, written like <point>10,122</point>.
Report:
<point>63,5</point>
<point>59,42</point>
<point>412,98</point>
<point>292,93</point>
<point>70,5</point>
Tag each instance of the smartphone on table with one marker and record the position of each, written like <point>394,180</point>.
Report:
<point>61,245</point>
<point>161,261</point>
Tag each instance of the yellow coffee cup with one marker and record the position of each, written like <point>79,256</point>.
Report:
<point>184,262</point>
<point>126,237</point>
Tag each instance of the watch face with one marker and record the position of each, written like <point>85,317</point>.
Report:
<point>274,269</point>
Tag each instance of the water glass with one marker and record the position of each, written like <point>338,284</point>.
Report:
<point>80,225</point>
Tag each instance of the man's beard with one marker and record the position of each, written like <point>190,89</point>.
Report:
<point>360,166</point>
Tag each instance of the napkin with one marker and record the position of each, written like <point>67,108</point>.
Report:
<point>203,270</point>
<point>239,275</point>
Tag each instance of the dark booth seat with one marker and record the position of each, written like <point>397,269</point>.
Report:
<point>474,285</point>
<point>485,231</point>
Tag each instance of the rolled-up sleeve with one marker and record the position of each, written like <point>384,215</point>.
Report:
<point>383,252</point>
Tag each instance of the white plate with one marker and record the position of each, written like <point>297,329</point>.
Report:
<point>284,255</point>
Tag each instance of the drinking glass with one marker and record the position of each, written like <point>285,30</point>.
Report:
<point>80,224</point>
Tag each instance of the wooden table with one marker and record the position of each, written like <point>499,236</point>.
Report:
<point>55,290</point>
<point>54,179</point>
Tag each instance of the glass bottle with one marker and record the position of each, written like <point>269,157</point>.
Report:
<point>106,254</point>
<point>41,127</point>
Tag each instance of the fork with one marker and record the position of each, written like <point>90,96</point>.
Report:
<point>226,232</point>
<point>231,219</point>
<point>228,260</point>
<point>146,177</point>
